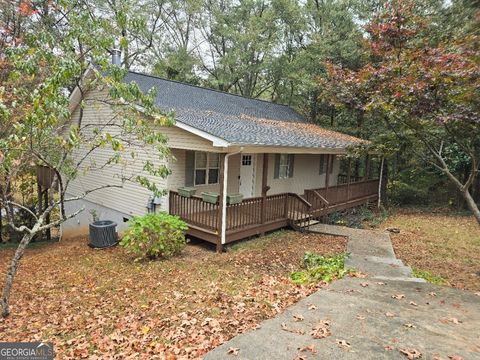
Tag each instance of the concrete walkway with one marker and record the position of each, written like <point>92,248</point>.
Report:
<point>388,315</point>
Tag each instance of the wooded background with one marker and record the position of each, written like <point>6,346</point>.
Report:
<point>280,50</point>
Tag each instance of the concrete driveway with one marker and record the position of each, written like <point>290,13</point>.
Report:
<point>388,315</point>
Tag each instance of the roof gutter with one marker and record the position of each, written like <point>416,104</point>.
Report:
<point>224,195</point>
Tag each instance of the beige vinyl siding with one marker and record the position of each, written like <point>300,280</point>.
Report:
<point>305,175</point>
<point>182,139</point>
<point>131,198</point>
<point>177,178</point>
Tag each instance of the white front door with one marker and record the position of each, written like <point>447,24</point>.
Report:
<point>247,175</point>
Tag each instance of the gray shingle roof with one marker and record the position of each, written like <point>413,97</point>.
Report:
<point>236,119</point>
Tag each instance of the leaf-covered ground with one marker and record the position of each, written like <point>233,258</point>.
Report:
<point>442,244</point>
<point>100,304</point>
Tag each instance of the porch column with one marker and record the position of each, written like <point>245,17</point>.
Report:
<point>327,176</point>
<point>222,178</point>
<point>265,188</point>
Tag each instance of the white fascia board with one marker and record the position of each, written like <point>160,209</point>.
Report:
<point>256,149</point>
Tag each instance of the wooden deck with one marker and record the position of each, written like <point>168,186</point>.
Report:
<point>258,215</point>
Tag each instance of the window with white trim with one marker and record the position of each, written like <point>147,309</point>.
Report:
<point>207,167</point>
<point>323,164</point>
<point>284,166</point>
<point>246,160</point>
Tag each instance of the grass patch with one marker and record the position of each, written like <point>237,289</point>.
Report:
<point>320,268</point>
<point>258,242</point>
<point>31,245</point>
<point>446,245</point>
<point>429,277</point>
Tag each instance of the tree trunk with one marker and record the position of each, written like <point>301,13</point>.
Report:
<point>1,224</point>
<point>476,190</point>
<point>465,191</point>
<point>12,270</point>
<point>313,106</point>
<point>471,204</point>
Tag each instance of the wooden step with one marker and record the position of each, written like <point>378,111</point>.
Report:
<point>305,224</point>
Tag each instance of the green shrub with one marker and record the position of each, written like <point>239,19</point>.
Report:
<point>320,268</point>
<point>154,236</point>
<point>407,194</point>
<point>429,277</point>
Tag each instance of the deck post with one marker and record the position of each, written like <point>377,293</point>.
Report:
<point>221,179</point>
<point>327,176</point>
<point>379,202</point>
<point>265,188</point>
<point>349,173</point>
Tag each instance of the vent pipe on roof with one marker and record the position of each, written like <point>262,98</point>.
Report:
<point>116,57</point>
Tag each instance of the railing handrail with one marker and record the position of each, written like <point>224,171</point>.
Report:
<point>325,201</point>
<point>301,199</point>
<point>356,183</point>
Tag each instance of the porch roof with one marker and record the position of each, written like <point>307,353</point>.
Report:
<point>237,120</point>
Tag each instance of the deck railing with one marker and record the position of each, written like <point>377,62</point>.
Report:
<point>246,213</point>
<point>194,211</point>
<point>341,194</point>
<point>343,179</point>
<point>258,211</point>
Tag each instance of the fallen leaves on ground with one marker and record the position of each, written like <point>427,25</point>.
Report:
<point>233,351</point>
<point>299,357</point>
<point>452,320</point>
<point>321,330</point>
<point>444,244</point>
<point>309,348</point>
<point>101,304</point>
<point>343,344</point>
<point>358,274</point>
<point>298,317</point>
<point>411,353</point>
<point>292,330</point>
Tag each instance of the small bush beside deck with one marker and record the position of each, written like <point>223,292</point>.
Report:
<point>155,236</point>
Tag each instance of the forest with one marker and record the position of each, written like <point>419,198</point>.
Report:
<point>403,74</point>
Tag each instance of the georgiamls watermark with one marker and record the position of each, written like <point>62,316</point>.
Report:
<point>26,351</point>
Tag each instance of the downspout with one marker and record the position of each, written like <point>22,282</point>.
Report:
<point>224,195</point>
<point>380,183</point>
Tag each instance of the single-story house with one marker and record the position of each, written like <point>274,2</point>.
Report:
<point>286,170</point>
